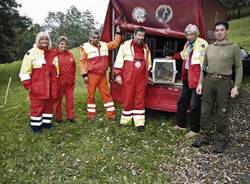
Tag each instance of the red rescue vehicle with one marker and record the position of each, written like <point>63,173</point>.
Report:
<point>165,22</point>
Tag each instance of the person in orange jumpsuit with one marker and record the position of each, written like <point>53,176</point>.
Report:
<point>94,61</point>
<point>38,75</point>
<point>66,80</point>
<point>131,67</point>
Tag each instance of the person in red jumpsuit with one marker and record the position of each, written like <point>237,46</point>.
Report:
<point>38,75</point>
<point>66,80</point>
<point>131,68</point>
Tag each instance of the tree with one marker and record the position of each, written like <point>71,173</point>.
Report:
<point>74,24</point>
<point>235,5</point>
<point>12,27</point>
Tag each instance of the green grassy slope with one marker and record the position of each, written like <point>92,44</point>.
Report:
<point>85,152</point>
<point>239,32</point>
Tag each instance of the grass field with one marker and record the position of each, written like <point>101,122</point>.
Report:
<point>239,32</point>
<point>87,152</point>
<point>84,152</point>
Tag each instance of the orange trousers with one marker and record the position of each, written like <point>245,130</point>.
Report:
<point>100,82</point>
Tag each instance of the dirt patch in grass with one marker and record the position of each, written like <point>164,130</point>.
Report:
<point>199,166</point>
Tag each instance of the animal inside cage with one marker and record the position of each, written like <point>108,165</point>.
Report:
<point>164,71</point>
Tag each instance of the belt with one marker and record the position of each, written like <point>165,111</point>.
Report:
<point>219,76</point>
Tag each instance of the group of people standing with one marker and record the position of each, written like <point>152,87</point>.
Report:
<point>207,85</point>
<point>49,74</point>
<point>131,71</point>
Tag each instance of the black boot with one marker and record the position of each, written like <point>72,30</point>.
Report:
<point>47,125</point>
<point>220,148</point>
<point>36,129</point>
<point>72,120</point>
<point>200,142</point>
<point>141,128</point>
<point>59,121</point>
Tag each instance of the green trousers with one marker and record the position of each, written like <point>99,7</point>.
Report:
<point>215,101</point>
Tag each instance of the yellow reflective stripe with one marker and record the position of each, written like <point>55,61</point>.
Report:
<point>127,112</point>
<point>138,111</point>
<point>126,120</point>
<point>128,51</point>
<point>38,58</point>
<point>196,57</point>
<point>108,104</point>
<point>91,110</point>
<point>35,118</point>
<point>26,68</point>
<point>96,54</point>
<point>24,76</point>
<point>46,120</point>
<point>56,63</point>
<point>128,58</point>
<point>35,123</point>
<point>119,61</point>
<point>139,120</point>
<point>110,109</point>
<point>183,53</point>
<point>91,105</point>
<point>149,67</point>
<point>92,51</point>
<point>139,117</point>
<point>139,123</point>
<point>47,115</point>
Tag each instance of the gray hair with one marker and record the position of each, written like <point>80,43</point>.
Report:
<point>94,32</point>
<point>62,39</point>
<point>191,28</point>
<point>40,35</point>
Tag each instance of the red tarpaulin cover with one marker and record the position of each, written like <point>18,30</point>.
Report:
<point>167,18</point>
<point>159,17</point>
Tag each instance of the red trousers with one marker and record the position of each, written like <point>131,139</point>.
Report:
<point>134,89</point>
<point>41,111</point>
<point>100,82</point>
<point>68,91</point>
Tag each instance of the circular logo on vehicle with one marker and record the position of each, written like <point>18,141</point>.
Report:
<point>138,64</point>
<point>139,14</point>
<point>164,13</point>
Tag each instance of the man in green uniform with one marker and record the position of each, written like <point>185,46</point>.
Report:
<point>220,57</point>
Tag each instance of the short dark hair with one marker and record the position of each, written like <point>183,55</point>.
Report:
<point>94,32</point>
<point>224,23</point>
<point>139,29</point>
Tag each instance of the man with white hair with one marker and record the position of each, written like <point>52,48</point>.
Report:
<point>192,56</point>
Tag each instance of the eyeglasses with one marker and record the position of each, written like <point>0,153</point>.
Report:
<point>95,37</point>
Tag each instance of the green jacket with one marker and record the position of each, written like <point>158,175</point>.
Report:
<point>220,59</point>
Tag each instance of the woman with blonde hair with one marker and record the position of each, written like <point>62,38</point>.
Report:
<point>38,75</point>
